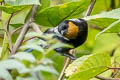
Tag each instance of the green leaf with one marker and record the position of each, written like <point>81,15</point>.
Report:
<point>110,26</point>
<point>52,16</point>
<point>24,56</point>
<point>44,4</point>
<point>105,19</point>
<point>12,64</point>
<point>106,4</point>
<point>90,65</point>
<point>22,2</point>
<point>4,74</point>
<point>106,42</point>
<point>11,9</point>
<point>19,18</point>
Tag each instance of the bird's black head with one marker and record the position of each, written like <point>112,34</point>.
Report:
<point>72,28</point>
<point>63,27</point>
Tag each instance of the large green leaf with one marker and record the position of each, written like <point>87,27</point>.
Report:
<point>52,16</point>
<point>22,2</point>
<point>90,65</point>
<point>105,19</point>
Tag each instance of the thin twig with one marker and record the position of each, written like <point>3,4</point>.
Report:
<point>103,78</point>
<point>29,39</point>
<point>96,27</point>
<point>24,29</point>
<point>115,68</point>
<point>8,32</point>
<point>67,62</point>
<point>8,22</point>
<point>14,31</point>
<point>36,28</point>
<point>90,8</point>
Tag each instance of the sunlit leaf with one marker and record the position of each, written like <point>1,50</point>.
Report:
<point>52,16</point>
<point>105,19</point>
<point>44,4</point>
<point>90,65</point>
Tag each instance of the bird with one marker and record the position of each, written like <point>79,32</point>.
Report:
<point>72,31</point>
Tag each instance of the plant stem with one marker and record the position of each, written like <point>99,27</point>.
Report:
<point>103,78</point>
<point>67,62</point>
<point>90,8</point>
<point>8,32</point>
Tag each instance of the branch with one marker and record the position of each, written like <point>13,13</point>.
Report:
<point>67,62</point>
<point>14,31</point>
<point>115,68</point>
<point>96,27</point>
<point>36,28</point>
<point>24,29</point>
<point>29,39</point>
<point>8,32</point>
<point>90,7</point>
<point>103,78</point>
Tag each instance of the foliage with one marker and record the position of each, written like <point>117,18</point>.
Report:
<point>95,56</point>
